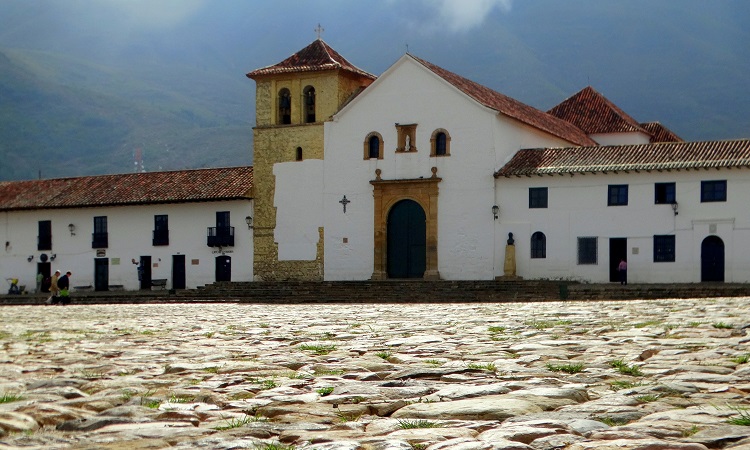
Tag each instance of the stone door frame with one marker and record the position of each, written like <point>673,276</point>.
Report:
<point>387,193</point>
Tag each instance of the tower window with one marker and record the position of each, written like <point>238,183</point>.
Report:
<point>285,107</point>
<point>309,107</point>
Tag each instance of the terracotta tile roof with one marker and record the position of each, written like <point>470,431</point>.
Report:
<point>510,107</point>
<point>128,189</point>
<point>315,57</point>
<point>593,113</point>
<point>660,133</point>
<point>613,158</point>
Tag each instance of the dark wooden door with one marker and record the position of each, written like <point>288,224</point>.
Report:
<point>223,268</point>
<point>407,231</point>
<point>144,272</point>
<point>178,271</point>
<point>101,274</point>
<point>45,269</point>
<point>712,259</point>
<point>618,250</point>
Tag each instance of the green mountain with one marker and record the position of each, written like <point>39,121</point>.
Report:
<point>67,117</point>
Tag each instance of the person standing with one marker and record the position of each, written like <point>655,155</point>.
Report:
<point>622,268</point>
<point>39,278</point>
<point>63,283</point>
<point>53,289</point>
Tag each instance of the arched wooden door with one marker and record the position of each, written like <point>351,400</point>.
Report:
<point>407,233</point>
<point>712,259</point>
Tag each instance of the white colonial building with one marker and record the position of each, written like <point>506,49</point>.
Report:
<point>175,230</point>
<point>424,174</point>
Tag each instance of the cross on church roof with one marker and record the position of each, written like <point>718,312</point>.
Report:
<point>319,30</point>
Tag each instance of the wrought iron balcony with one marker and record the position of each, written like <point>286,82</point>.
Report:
<point>220,237</point>
<point>161,237</point>
<point>100,240</point>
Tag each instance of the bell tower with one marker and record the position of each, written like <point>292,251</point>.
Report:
<point>293,99</point>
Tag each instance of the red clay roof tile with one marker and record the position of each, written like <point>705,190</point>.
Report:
<point>660,133</point>
<point>229,183</point>
<point>593,113</point>
<point>315,57</point>
<point>613,158</point>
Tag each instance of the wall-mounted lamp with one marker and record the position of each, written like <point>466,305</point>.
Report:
<point>674,208</point>
<point>30,258</point>
<point>72,229</point>
<point>249,222</point>
<point>495,211</point>
<point>53,257</point>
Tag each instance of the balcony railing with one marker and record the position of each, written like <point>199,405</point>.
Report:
<point>161,237</point>
<point>220,236</point>
<point>100,240</point>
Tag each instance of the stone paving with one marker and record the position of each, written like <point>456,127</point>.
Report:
<point>645,375</point>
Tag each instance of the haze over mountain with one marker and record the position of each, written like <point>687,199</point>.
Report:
<point>85,83</point>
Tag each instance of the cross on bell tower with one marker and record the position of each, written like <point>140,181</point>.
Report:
<point>319,30</point>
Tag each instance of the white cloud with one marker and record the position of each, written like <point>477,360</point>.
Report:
<point>463,15</point>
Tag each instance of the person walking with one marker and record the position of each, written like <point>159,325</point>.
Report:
<point>622,268</point>
<point>63,283</point>
<point>53,289</point>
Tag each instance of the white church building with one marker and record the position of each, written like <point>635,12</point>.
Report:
<point>425,174</point>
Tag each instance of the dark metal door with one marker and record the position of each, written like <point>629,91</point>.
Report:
<point>618,250</point>
<point>407,231</point>
<point>223,268</point>
<point>101,274</point>
<point>144,272</point>
<point>178,271</point>
<point>712,259</point>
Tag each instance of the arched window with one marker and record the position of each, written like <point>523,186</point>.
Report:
<point>285,107</point>
<point>309,104</point>
<point>440,143</point>
<point>538,245</point>
<point>374,146</point>
<point>298,156</point>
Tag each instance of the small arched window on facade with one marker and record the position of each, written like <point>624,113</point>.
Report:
<point>374,146</point>
<point>298,154</point>
<point>285,107</point>
<point>440,143</point>
<point>309,104</point>
<point>538,245</point>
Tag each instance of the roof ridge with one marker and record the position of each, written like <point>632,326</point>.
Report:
<point>592,112</point>
<point>509,106</point>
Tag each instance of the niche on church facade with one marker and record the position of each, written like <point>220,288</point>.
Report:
<point>406,135</point>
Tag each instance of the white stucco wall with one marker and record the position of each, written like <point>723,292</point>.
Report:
<point>577,207</point>
<point>480,141</point>
<point>130,230</point>
<point>298,199</point>
<point>631,138</point>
